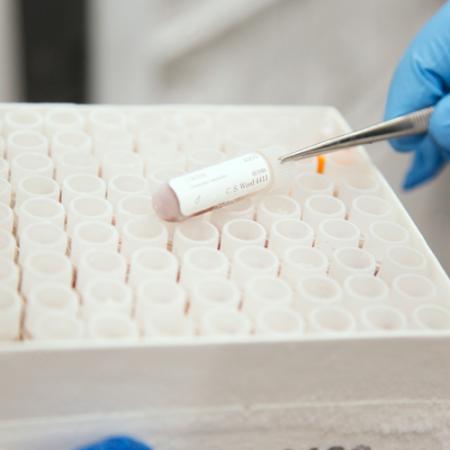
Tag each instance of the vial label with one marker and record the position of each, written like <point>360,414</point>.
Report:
<point>221,183</point>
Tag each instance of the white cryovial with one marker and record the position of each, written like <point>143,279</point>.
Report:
<point>199,191</point>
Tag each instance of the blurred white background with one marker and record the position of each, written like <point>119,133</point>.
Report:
<point>339,53</point>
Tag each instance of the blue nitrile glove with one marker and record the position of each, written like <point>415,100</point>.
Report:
<point>117,443</point>
<point>422,79</point>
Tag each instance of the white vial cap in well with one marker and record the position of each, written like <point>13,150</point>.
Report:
<point>42,236</point>
<point>40,209</point>
<point>54,326</point>
<point>411,290</point>
<point>106,119</point>
<point>240,209</point>
<point>10,314</point>
<point>112,141</point>
<point>336,233</point>
<point>367,209</point>
<point>147,119</point>
<point>384,234</point>
<point>106,295</point>
<point>93,235</point>
<point>279,321</point>
<point>362,290</point>
<point>69,141</point>
<point>45,266</point>
<point>133,206</point>
<point>155,142</point>
<point>225,323</point>
<point>24,141</point>
<point>47,297</point>
<point>307,184</point>
<point>80,184</point>
<point>274,207</point>
<point>240,233</point>
<point>121,163</point>
<point>27,164</point>
<point>245,139</point>
<point>172,327</point>
<point>331,320</point>
<point>162,298</point>
<point>204,158</point>
<point>347,261</point>
<point>152,263</point>
<point>100,264</point>
<point>168,158</point>
<point>252,261</point>
<point>36,186</point>
<point>88,208</point>
<point>314,291</point>
<point>343,164</point>
<point>401,259</point>
<point>194,233</point>
<point>302,261</point>
<point>356,185</point>
<point>431,318</point>
<point>72,163</point>
<point>191,120</point>
<point>22,119</point>
<point>262,291</point>
<point>196,129</point>
<point>62,119</point>
<point>143,232</point>
<point>382,318</point>
<point>112,326</point>
<point>213,292</point>
<point>287,233</point>
<point>320,207</point>
<point>201,262</point>
<point>121,186</point>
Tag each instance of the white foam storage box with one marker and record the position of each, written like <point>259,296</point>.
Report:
<point>365,390</point>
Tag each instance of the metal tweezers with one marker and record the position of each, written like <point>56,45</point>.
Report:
<point>407,125</point>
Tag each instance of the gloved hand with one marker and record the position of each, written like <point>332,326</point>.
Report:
<point>422,79</point>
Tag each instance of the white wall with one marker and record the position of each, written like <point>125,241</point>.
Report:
<point>268,51</point>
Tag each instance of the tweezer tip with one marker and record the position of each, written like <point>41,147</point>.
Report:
<point>298,154</point>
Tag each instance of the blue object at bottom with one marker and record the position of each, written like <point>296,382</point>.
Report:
<point>117,443</point>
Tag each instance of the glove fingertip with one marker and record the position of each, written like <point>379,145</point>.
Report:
<point>406,144</point>
<point>414,179</point>
<point>427,162</point>
<point>409,182</point>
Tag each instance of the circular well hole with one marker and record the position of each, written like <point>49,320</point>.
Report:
<point>280,205</point>
<point>39,185</point>
<point>433,317</point>
<point>325,204</point>
<point>384,318</point>
<point>333,320</point>
<point>245,230</point>
<point>206,258</point>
